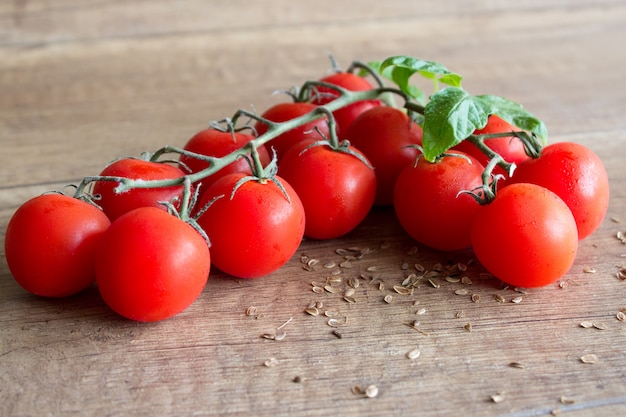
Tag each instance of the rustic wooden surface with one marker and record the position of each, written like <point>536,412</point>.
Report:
<point>84,82</point>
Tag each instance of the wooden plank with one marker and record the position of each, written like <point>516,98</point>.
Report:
<point>84,82</point>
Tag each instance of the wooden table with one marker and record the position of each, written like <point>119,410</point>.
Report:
<point>82,83</point>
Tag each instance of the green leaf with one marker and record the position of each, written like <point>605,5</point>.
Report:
<point>399,76</point>
<point>451,115</point>
<point>427,69</point>
<point>516,115</point>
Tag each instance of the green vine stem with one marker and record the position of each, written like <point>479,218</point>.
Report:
<point>275,129</point>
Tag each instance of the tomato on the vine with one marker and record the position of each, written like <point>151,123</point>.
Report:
<point>430,204</point>
<point>577,175</point>
<point>114,204</point>
<point>337,188</point>
<point>510,148</point>
<point>385,135</point>
<point>352,82</point>
<point>50,244</point>
<point>255,230</point>
<point>283,112</point>
<point>218,143</point>
<point>526,236</point>
<point>151,265</point>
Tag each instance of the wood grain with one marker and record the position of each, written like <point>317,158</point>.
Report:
<point>82,83</point>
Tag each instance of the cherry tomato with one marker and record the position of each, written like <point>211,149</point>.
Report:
<point>429,203</point>
<point>526,237</point>
<point>577,175</point>
<point>385,135</point>
<point>346,115</point>
<point>510,148</point>
<point>50,244</point>
<point>151,265</point>
<point>114,204</point>
<point>283,112</point>
<point>337,189</point>
<point>254,232</point>
<point>214,142</point>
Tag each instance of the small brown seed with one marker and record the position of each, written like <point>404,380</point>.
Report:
<point>589,270</point>
<point>313,311</point>
<point>349,299</point>
<point>499,298</point>
<point>600,325</point>
<point>497,398</point>
<point>475,298</point>
<point>620,316</point>
<point>251,311</point>
<point>461,291</point>
<point>413,354</point>
<point>468,327</point>
<point>271,362</point>
<point>516,300</point>
<point>371,391</point>
<point>586,324</point>
<point>589,358</point>
<point>388,298</point>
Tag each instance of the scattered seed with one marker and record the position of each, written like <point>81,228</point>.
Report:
<point>402,290</point>
<point>419,268</point>
<point>517,365</point>
<point>589,358</point>
<point>433,283</point>
<point>381,286</point>
<point>586,324</point>
<point>346,264</point>
<point>468,327</point>
<point>269,336</point>
<point>318,290</point>
<point>332,289</point>
<point>296,379</point>
<point>413,354</point>
<point>280,336</point>
<point>388,298</point>
<point>413,251</point>
<point>465,280</point>
<point>354,282</point>
<point>313,262</point>
<point>349,299</point>
<point>330,313</point>
<point>452,280</point>
<point>621,316</point>
<point>621,273</point>
<point>461,291</point>
<point>567,400</point>
<point>563,284</point>
<point>421,311</point>
<point>621,236</point>
<point>497,398</point>
<point>319,304</point>
<point>337,334</point>
<point>385,245</point>
<point>589,270</point>
<point>329,265</point>
<point>475,298</point>
<point>251,311</point>
<point>333,322</point>
<point>499,298</point>
<point>516,300</point>
<point>333,279</point>
<point>271,362</point>
<point>600,325</point>
<point>371,391</point>
<point>461,267</point>
<point>336,272</point>
<point>520,290</point>
<point>304,259</point>
<point>349,292</point>
<point>313,311</point>
<point>460,314</point>
<point>372,268</point>
<point>404,266</point>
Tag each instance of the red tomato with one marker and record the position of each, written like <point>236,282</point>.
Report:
<point>213,142</point>
<point>526,237</point>
<point>384,135</point>
<point>50,244</point>
<point>283,112</point>
<point>575,174</point>
<point>337,189</point>
<point>428,204</point>
<point>346,115</point>
<point>114,205</point>
<point>151,265</point>
<point>257,230</point>
<point>510,148</point>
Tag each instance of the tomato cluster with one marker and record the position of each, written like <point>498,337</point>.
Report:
<point>148,232</point>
